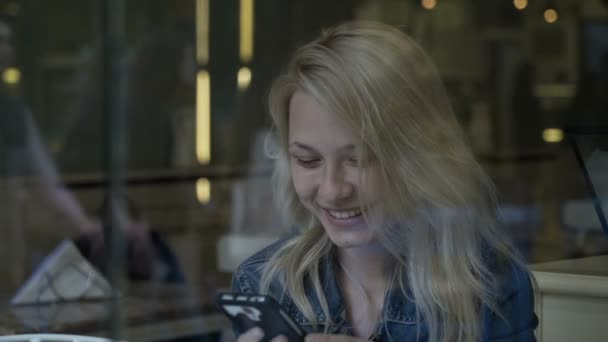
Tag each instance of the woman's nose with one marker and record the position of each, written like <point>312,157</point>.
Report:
<point>334,185</point>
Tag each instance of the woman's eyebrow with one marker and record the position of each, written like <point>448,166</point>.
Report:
<point>301,146</point>
<point>347,148</point>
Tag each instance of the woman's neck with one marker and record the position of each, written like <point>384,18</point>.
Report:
<point>363,279</point>
<point>368,267</point>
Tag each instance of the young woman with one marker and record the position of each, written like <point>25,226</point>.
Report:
<point>397,235</point>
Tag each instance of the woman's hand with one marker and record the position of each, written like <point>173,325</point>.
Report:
<point>332,338</point>
<point>256,334</point>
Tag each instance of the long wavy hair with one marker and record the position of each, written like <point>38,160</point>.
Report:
<point>437,218</point>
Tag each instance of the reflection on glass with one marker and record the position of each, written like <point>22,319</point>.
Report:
<point>202,31</point>
<point>244,78</point>
<point>11,76</point>
<point>520,4</point>
<point>247,24</point>
<point>550,15</point>
<point>203,117</point>
<point>553,135</point>
<point>428,4</point>
<point>203,190</point>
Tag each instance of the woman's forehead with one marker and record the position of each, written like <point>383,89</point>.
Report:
<point>312,122</point>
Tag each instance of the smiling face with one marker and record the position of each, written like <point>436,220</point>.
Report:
<point>325,171</point>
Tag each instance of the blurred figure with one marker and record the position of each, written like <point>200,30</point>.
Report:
<point>28,175</point>
<point>155,90</point>
<point>12,145</point>
<point>148,257</point>
<point>26,169</point>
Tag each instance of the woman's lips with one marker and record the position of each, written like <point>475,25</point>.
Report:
<point>343,218</point>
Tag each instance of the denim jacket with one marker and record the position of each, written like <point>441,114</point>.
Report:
<point>400,322</point>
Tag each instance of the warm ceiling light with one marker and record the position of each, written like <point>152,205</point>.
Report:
<point>247,27</point>
<point>553,135</point>
<point>428,4</point>
<point>520,4</point>
<point>202,31</point>
<point>203,117</point>
<point>550,15</point>
<point>11,76</point>
<point>203,190</point>
<point>244,78</point>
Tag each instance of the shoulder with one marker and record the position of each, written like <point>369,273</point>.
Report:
<point>513,315</point>
<point>263,255</point>
<point>513,278</point>
<point>246,278</point>
<point>510,272</point>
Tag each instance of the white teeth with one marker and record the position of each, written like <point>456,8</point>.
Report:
<point>344,214</point>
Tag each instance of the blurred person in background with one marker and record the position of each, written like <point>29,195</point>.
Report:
<point>29,175</point>
<point>26,171</point>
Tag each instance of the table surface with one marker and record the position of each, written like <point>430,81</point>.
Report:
<point>143,305</point>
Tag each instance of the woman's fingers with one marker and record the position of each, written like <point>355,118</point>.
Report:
<point>331,338</point>
<point>252,335</point>
<point>279,338</point>
<point>256,334</point>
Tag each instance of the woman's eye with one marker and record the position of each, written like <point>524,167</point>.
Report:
<point>353,161</point>
<point>307,163</point>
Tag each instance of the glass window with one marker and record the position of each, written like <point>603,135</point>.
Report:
<point>133,161</point>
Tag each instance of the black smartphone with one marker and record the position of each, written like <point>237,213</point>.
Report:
<point>254,310</point>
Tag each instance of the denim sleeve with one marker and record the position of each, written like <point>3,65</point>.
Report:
<point>237,278</point>
<point>516,320</point>
<point>244,280</point>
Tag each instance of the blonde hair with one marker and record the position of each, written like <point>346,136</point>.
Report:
<point>437,217</point>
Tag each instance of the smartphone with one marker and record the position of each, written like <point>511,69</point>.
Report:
<point>254,310</point>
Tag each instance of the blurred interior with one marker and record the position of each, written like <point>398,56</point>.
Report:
<point>160,106</point>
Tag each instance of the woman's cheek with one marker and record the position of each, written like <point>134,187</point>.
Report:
<point>303,184</point>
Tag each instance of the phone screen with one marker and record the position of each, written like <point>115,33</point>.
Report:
<point>248,311</point>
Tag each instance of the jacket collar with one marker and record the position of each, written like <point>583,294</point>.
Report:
<point>398,308</point>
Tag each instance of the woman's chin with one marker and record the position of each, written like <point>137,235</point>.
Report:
<point>351,239</point>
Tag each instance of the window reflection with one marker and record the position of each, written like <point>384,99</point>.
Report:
<point>197,181</point>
